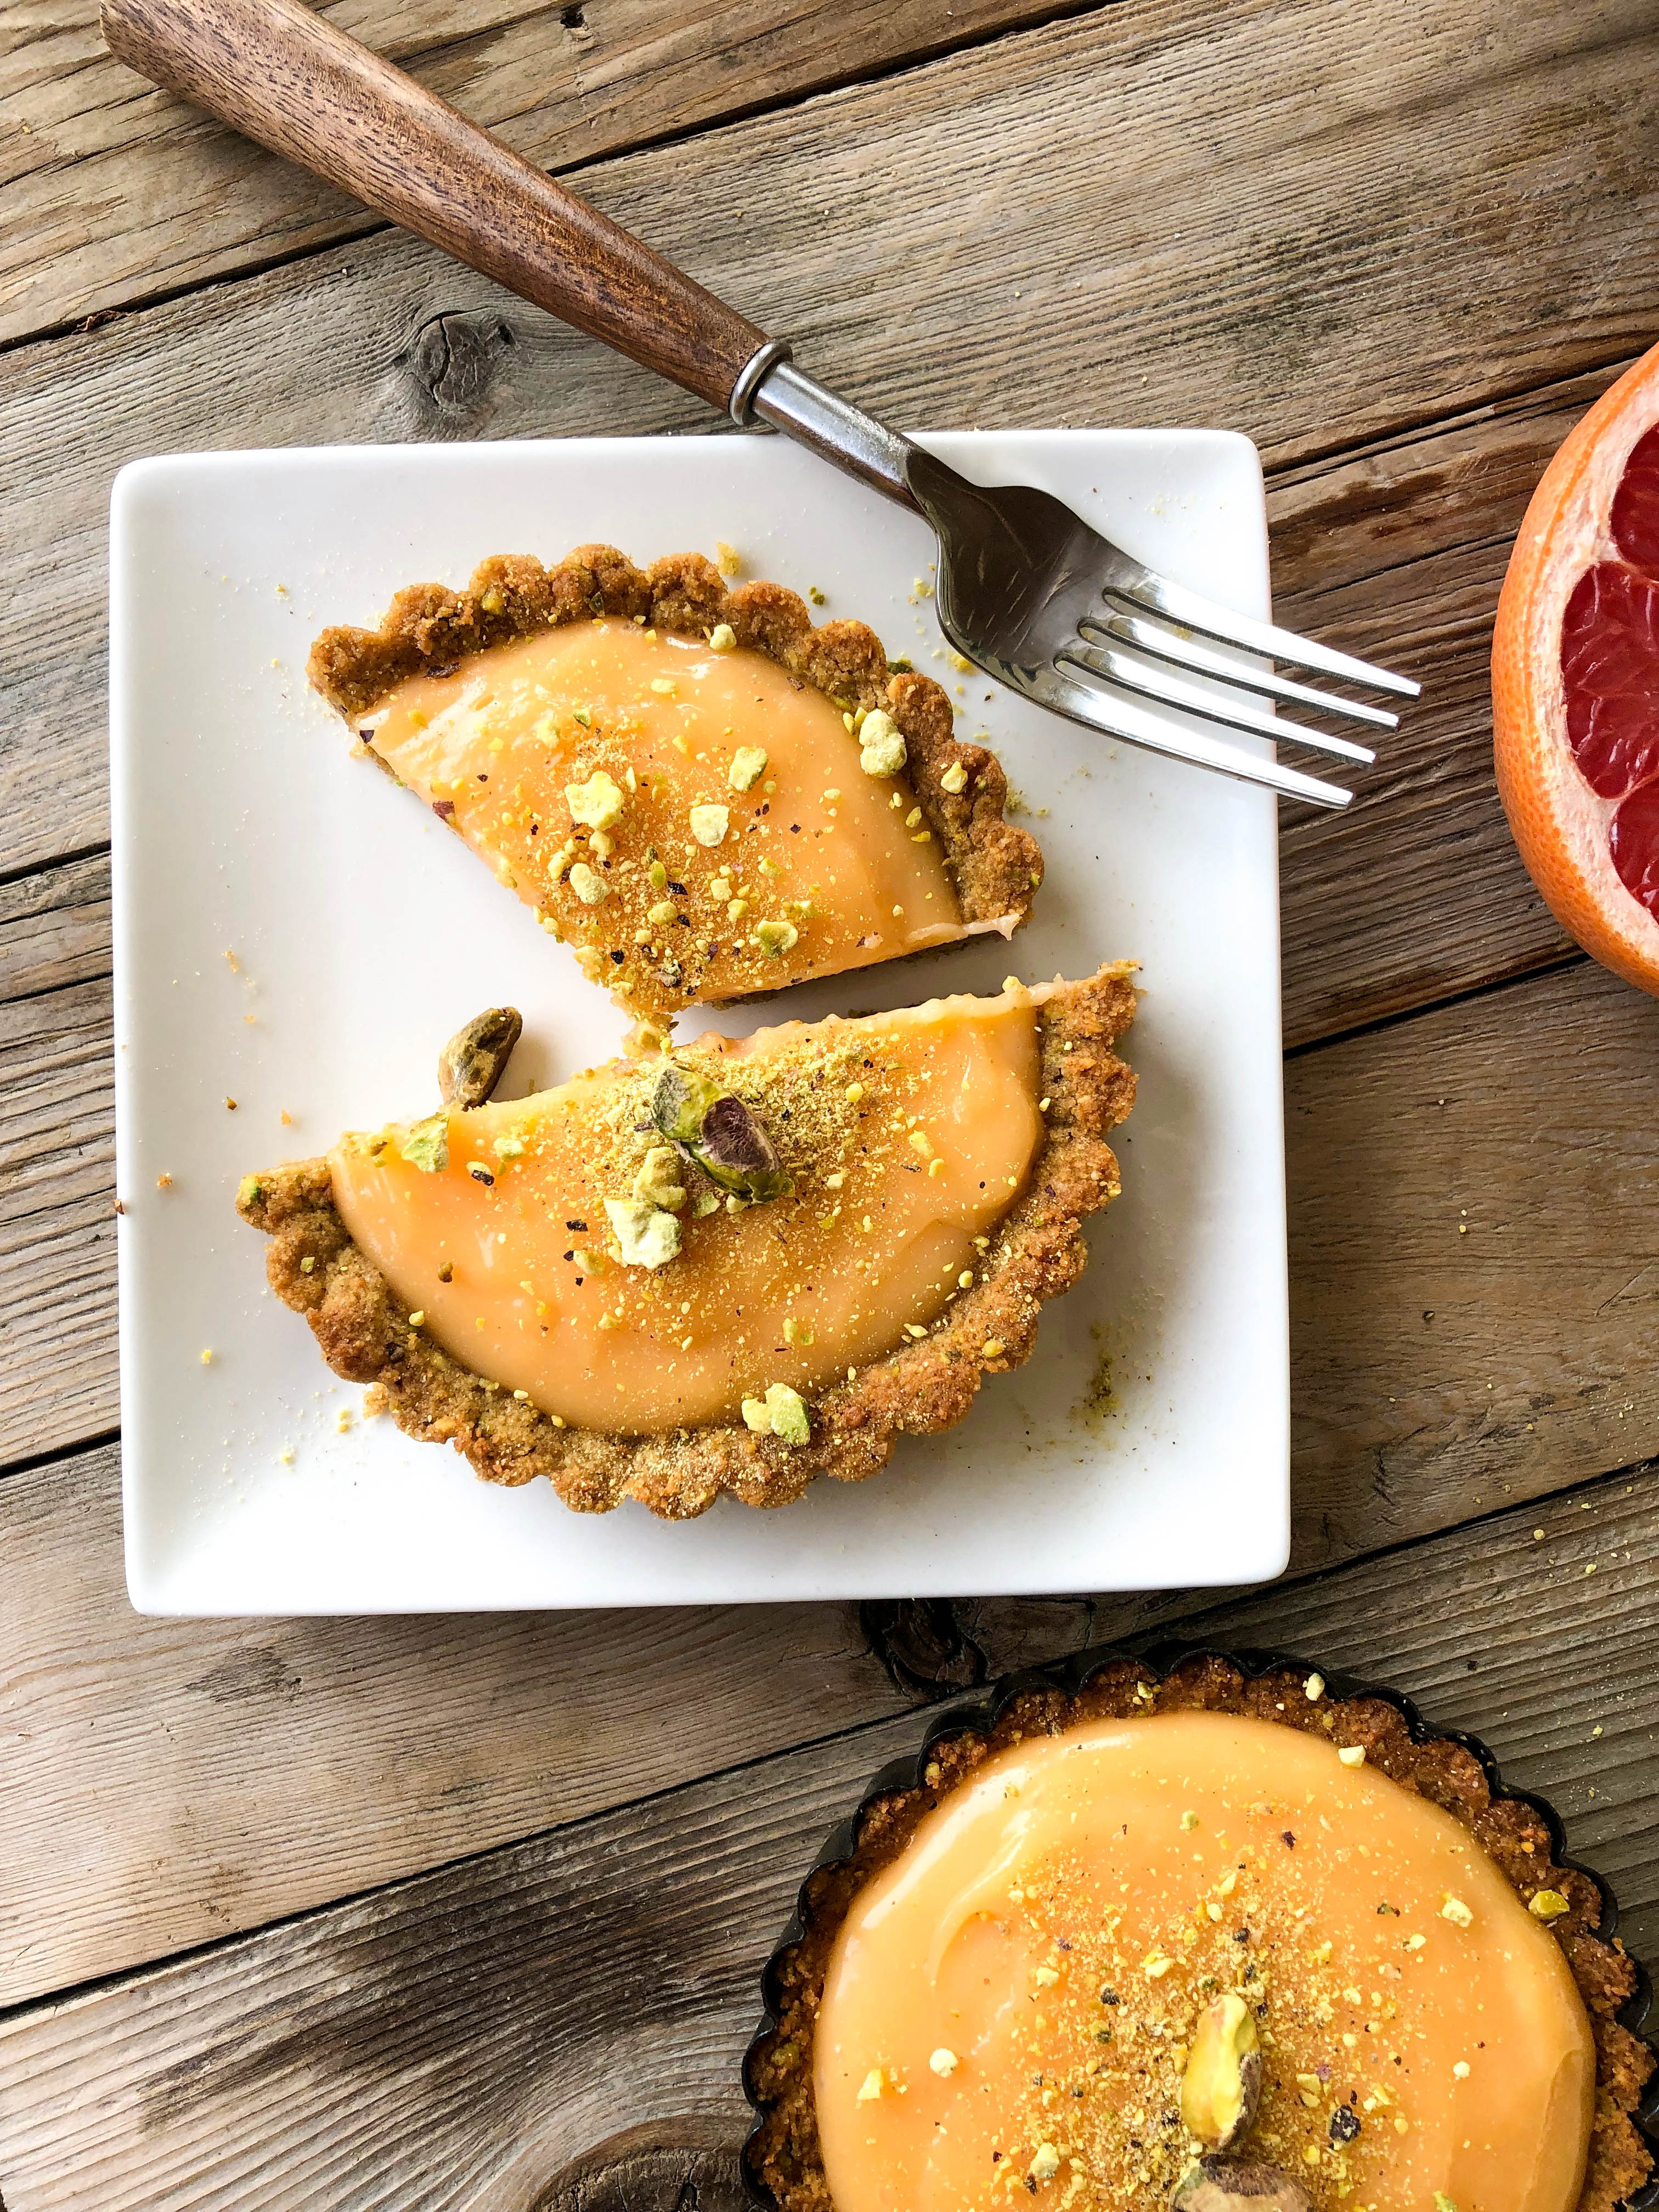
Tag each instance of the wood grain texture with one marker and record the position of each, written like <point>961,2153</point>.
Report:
<point>1389,238</point>
<point>457,2040</point>
<point>264,1767</point>
<point>114,192</point>
<point>58,1382</point>
<point>1472,1258</point>
<point>1416,892</point>
<point>55,927</point>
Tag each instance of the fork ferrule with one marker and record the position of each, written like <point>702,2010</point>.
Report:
<point>741,404</point>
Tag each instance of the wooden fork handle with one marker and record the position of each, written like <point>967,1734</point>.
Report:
<point>307,90</point>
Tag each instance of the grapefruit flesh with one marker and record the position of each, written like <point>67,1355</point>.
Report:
<point>1576,681</point>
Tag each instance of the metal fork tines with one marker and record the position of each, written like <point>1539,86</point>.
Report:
<point>1166,629</point>
<point>1154,682</point>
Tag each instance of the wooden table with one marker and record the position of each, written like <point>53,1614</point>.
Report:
<point>419,1913</point>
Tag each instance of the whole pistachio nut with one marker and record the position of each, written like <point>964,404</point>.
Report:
<point>1239,2184</point>
<point>718,1133</point>
<point>679,1101</point>
<point>475,1059</point>
<point>1221,2083</point>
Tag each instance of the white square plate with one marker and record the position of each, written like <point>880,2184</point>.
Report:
<point>293,932</point>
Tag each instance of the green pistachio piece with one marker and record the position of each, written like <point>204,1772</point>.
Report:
<point>788,1411</point>
<point>425,1144</point>
<point>679,1102</point>
<point>646,1236</point>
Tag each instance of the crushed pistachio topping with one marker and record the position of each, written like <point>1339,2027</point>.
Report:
<point>646,1236</point>
<point>709,824</point>
<point>1456,1911</point>
<point>590,889</point>
<point>747,767</point>
<point>875,2080</point>
<point>882,750</point>
<point>943,2062</point>
<point>782,1414</point>
<point>1548,1905</point>
<point>955,779</point>
<point>776,938</point>
<point>660,1182</point>
<point>595,804</point>
<point>722,638</point>
<point>1352,1754</point>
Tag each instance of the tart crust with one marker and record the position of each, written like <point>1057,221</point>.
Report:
<point>994,867</point>
<point>783,2156</point>
<point>1037,1252</point>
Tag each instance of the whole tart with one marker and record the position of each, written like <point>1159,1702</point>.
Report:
<point>728,1268</point>
<point>705,795</point>
<point>1203,1930</point>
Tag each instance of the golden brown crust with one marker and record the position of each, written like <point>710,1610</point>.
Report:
<point>1038,1251</point>
<point>995,868</point>
<point>784,2152</point>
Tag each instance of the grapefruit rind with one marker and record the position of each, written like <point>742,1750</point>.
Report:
<point>1560,826</point>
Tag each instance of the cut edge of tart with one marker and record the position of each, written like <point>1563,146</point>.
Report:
<point>923,1385</point>
<point>993,867</point>
<point>782,2160</point>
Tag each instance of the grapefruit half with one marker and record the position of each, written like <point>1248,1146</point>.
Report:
<point>1575,671</point>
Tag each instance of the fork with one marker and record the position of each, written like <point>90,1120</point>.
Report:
<point>1026,591</point>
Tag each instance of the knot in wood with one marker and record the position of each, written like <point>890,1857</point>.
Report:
<point>922,1644</point>
<point>455,360</point>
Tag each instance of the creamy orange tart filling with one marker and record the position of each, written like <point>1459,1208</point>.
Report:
<point>1204,1958</point>
<point>730,1266</point>
<point>703,794</point>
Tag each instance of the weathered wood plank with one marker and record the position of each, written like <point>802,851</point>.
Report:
<point>1416,892</point>
<point>114,192</point>
<point>57,1380</point>
<point>456,2040</point>
<point>264,1767</point>
<point>1473,1262</point>
<point>1345,232</point>
<point>55,927</point>
<point>1524,1236</point>
<point>260,1767</point>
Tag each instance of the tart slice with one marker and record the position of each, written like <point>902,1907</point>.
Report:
<point>733,1268</point>
<point>705,795</point>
